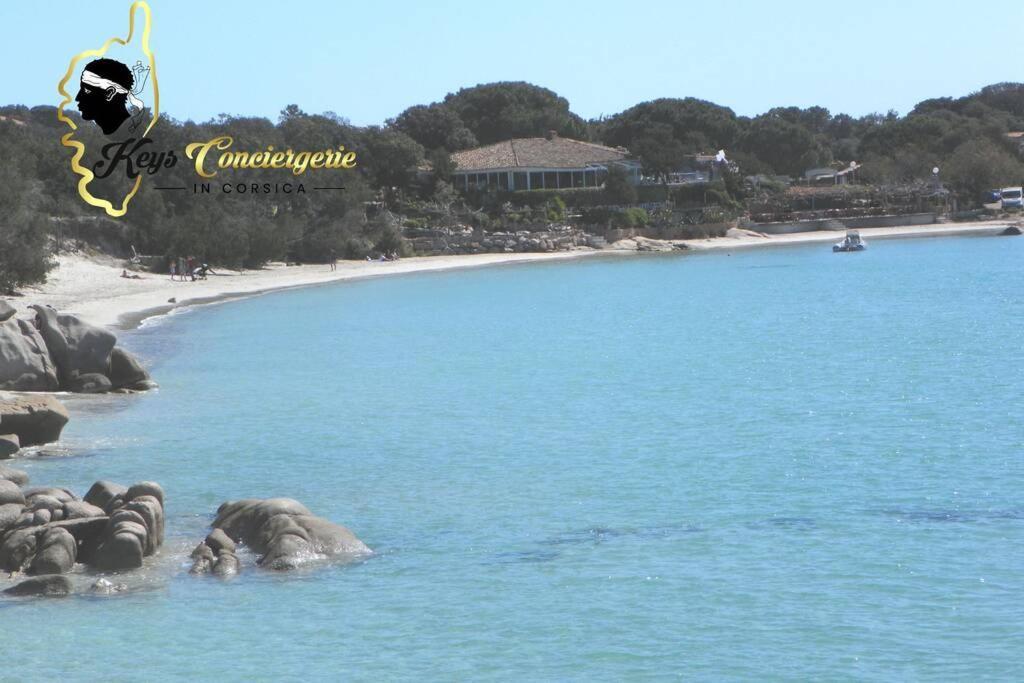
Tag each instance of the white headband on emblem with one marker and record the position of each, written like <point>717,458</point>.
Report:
<point>89,78</point>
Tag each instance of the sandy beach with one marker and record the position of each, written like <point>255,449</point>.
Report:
<point>93,288</point>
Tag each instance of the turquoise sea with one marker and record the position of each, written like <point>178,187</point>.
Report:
<point>780,464</point>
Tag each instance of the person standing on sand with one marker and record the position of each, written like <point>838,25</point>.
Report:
<point>174,269</point>
<point>334,260</point>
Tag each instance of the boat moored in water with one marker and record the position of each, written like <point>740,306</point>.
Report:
<point>852,242</point>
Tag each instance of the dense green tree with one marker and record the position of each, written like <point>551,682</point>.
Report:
<point>660,152</point>
<point>787,147</point>
<point>499,111</point>
<point>975,167</point>
<point>697,125</point>
<point>434,126</point>
<point>618,189</point>
<point>391,157</point>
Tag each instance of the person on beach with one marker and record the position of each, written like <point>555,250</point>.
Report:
<point>202,271</point>
<point>133,276</point>
<point>174,269</point>
<point>334,260</point>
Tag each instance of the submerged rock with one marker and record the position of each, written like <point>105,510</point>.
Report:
<point>282,531</point>
<point>35,419</point>
<point>50,586</point>
<point>89,383</point>
<point>107,587</point>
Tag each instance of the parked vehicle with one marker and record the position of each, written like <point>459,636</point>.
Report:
<point>993,200</point>
<point>1013,197</point>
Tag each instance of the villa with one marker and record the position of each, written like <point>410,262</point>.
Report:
<point>547,163</point>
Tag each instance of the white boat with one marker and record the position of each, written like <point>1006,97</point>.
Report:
<point>852,242</point>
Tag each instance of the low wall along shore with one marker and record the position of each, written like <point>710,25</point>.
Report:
<point>788,228</point>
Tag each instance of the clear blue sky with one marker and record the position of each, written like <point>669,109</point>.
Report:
<point>368,61</point>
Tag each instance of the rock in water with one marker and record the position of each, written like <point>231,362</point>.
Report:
<point>89,383</point>
<point>10,474</point>
<point>227,563</point>
<point>25,363</point>
<point>7,311</point>
<point>76,347</point>
<point>203,559</point>
<point>35,419</point>
<point>135,528</point>
<point>56,554</point>
<point>103,493</point>
<point>9,445</point>
<point>126,372</point>
<point>122,549</point>
<point>284,532</point>
<point>217,540</point>
<point>18,549</point>
<point>49,586</point>
<point>106,587</point>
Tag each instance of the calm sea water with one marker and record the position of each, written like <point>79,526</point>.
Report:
<point>779,464</point>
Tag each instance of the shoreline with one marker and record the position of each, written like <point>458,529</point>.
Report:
<point>92,288</point>
<point>754,239</point>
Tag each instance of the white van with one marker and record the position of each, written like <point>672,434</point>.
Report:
<point>1013,197</point>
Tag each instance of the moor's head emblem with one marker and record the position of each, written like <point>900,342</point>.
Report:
<point>108,93</point>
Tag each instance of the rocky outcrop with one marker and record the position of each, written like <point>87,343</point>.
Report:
<point>7,311</point>
<point>34,419</point>
<point>76,347</point>
<point>60,351</point>
<point>25,363</point>
<point>134,530</point>
<point>125,372</point>
<point>282,531</point>
<point>48,530</point>
<point>11,474</point>
<point>9,445</point>
<point>215,555</point>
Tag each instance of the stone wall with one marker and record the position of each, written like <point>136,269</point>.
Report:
<point>786,228</point>
<point>454,241</point>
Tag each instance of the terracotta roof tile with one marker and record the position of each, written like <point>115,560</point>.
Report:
<point>558,152</point>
